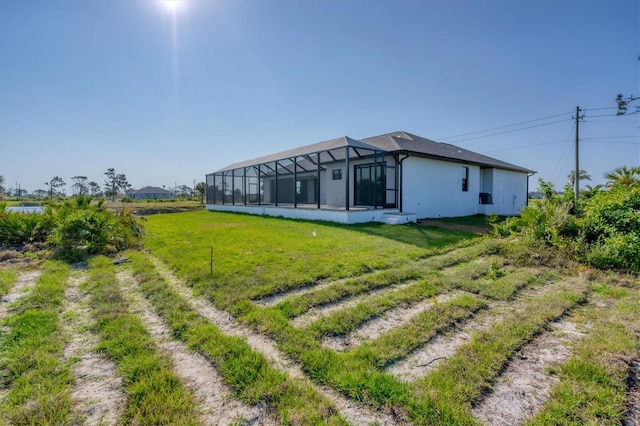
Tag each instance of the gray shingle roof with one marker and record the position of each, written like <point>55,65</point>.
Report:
<point>390,142</point>
<point>333,145</point>
<point>407,142</point>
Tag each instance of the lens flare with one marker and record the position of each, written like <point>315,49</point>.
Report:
<point>172,5</point>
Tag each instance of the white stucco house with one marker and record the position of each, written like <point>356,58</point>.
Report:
<point>393,178</point>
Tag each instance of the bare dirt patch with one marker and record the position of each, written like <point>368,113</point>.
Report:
<point>274,299</point>
<point>22,285</point>
<point>354,413</point>
<point>318,312</point>
<point>441,347</point>
<point>632,416</point>
<point>525,385</point>
<point>97,391</point>
<point>216,402</point>
<point>391,319</point>
<point>444,345</point>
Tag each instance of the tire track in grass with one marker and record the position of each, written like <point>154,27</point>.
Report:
<point>526,383</point>
<point>322,311</point>
<point>473,369</point>
<point>435,262</point>
<point>380,325</point>
<point>217,405</point>
<point>97,391</point>
<point>354,413</point>
<point>22,285</point>
<point>445,345</point>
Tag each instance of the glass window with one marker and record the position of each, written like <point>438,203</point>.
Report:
<point>465,179</point>
<point>337,174</point>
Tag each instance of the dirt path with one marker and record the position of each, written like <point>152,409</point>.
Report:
<point>22,285</point>
<point>318,312</point>
<point>443,346</point>
<point>351,411</point>
<point>522,389</point>
<point>97,391</point>
<point>217,405</point>
<point>378,326</point>
<point>632,416</point>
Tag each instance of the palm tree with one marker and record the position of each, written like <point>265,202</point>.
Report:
<point>623,175</point>
<point>582,175</point>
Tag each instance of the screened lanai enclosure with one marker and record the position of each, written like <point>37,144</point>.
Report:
<point>338,175</point>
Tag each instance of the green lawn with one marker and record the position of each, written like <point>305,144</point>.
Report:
<point>255,256</point>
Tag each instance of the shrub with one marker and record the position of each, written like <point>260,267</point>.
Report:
<point>76,227</point>
<point>603,230</point>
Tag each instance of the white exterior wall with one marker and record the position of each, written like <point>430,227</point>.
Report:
<point>509,193</point>
<point>390,216</point>
<point>433,188</point>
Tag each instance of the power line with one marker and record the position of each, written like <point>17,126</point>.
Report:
<point>526,146</point>
<point>504,127</point>
<point>511,131</point>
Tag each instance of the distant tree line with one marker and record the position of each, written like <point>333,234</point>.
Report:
<point>115,185</point>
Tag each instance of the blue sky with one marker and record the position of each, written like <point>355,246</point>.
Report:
<point>166,97</point>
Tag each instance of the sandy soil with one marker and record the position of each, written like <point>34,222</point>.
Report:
<point>354,413</point>
<point>524,386</point>
<point>632,416</point>
<point>378,326</point>
<point>97,391</point>
<point>318,312</point>
<point>216,402</point>
<point>21,287</point>
<point>443,346</point>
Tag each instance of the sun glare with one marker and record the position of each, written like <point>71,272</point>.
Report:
<point>172,5</point>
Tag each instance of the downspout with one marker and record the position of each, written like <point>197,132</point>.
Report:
<point>400,181</point>
<point>346,158</point>
<point>527,198</point>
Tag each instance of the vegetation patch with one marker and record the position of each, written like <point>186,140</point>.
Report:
<point>246,371</point>
<point>33,370</point>
<point>155,394</point>
<point>76,227</point>
<point>8,277</point>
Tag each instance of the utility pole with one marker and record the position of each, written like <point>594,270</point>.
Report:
<point>576,177</point>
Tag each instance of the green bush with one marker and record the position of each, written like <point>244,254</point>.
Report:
<point>603,230</point>
<point>76,227</point>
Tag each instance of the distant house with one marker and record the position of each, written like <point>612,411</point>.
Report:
<point>149,193</point>
<point>394,178</point>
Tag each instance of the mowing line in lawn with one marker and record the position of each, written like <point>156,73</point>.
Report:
<point>525,384</point>
<point>462,378</point>
<point>383,324</point>
<point>97,390</point>
<point>22,285</point>
<point>217,406</point>
<point>36,376</point>
<point>155,393</point>
<point>354,413</point>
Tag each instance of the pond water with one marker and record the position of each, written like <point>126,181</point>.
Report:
<point>25,209</point>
